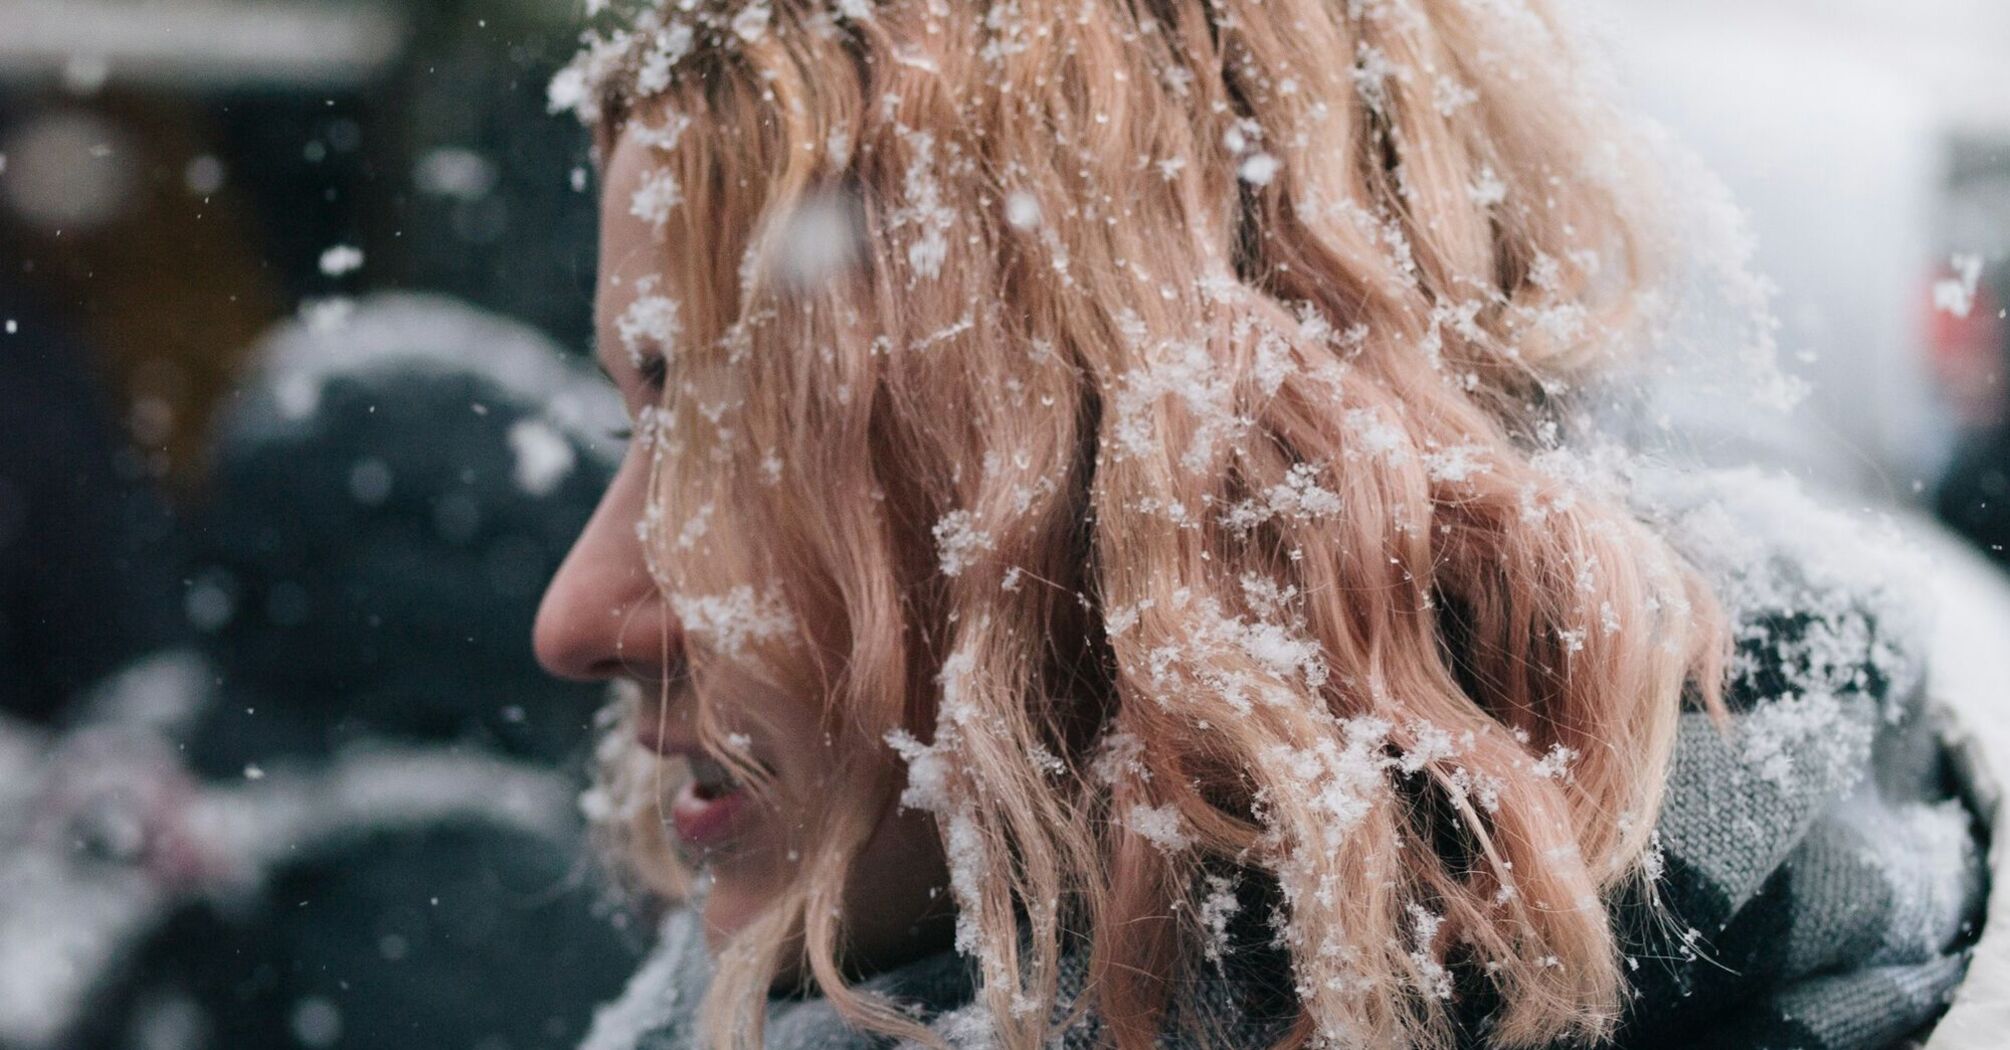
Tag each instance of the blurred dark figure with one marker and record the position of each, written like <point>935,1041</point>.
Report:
<point>386,505</point>
<point>86,565</point>
<point>335,819</point>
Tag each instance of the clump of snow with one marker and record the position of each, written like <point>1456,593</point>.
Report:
<point>1435,979</point>
<point>751,23</point>
<point>1118,756</point>
<point>1488,189</point>
<point>958,541</point>
<point>923,207</point>
<point>1375,436</point>
<point>1181,369</point>
<point>1258,169</point>
<point>664,136</point>
<point>1450,96</point>
<point>931,786</point>
<point>1162,826</point>
<point>1217,909</point>
<point>1825,610</point>
<point>654,200</point>
<point>1298,497</point>
<point>1456,464</point>
<point>648,327</point>
<point>1789,731</point>
<point>1556,764</point>
<point>730,621</point>
<point>927,772</point>
<point>1022,210</point>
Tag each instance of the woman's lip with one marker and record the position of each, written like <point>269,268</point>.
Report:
<point>704,823</point>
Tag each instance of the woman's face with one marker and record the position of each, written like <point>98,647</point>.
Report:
<point>603,618</point>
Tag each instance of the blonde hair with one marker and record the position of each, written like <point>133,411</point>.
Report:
<point>1155,458</point>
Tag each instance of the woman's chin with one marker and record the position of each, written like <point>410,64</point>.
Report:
<point>729,908</point>
<point>882,939</point>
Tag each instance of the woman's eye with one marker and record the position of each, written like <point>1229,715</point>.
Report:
<point>655,369</point>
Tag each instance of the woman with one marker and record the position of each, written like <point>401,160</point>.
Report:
<point>1101,541</point>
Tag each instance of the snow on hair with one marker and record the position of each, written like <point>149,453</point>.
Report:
<point>1173,479</point>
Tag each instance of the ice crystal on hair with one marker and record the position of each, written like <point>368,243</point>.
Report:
<point>1375,436</point>
<point>656,198</point>
<point>1046,761</point>
<point>1184,370</point>
<point>1217,909</point>
<point>1298,497</point>
<point>1432,976</point>
<point>751,22</point>
<point>1430,744</point>
<point>696,526</point>
<point>664,136</point>
<point>1119,756</point>
<point>931,773</point>
<point>1487,189</point>
<point>1022,210</point>
<point>1258,169</point>
<point>1556,764</point>
<point>730,621</point>
<point>927,773</point>
<point>1162,826</point>
<point>1340,781</point>
<point>1372,72</point>
<point>923,207</point>
<point>1450,96</point>
<point>958,541</point>
<point>1456,464</point>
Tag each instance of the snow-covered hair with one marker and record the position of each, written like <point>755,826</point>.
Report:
<point>1137,422</point>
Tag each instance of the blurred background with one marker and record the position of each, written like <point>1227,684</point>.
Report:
<point>295,421</point>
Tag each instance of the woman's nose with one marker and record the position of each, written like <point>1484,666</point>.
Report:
<point>602,616</point>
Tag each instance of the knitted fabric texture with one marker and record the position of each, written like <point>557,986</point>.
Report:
<point>1820,877</point>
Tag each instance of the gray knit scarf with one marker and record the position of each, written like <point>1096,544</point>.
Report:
<point>1824,873</point>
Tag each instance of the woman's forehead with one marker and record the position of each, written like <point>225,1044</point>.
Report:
<point>633,250</point>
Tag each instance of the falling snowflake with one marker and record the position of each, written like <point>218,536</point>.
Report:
<point>341,259</point>
<point>1956,295</point>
